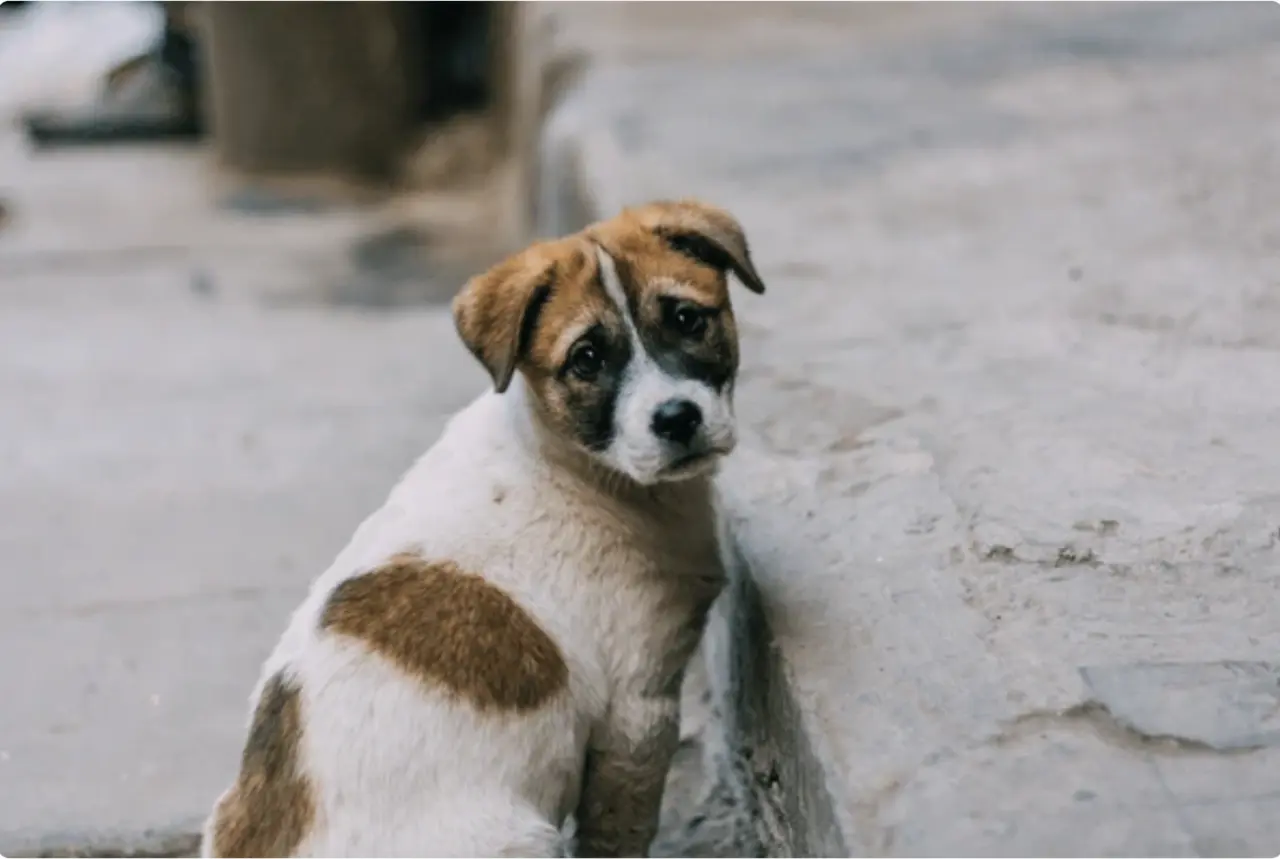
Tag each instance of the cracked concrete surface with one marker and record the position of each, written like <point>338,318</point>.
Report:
<point>1008,491</point>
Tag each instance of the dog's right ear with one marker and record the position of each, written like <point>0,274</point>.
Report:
<point>495,312</point>
<point>706,233</point>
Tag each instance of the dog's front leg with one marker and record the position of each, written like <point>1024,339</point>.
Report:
<point>626,767</point>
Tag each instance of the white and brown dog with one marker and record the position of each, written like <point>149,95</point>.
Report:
<point>502,645</point>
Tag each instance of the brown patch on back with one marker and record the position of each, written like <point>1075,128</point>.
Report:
<point>269,809</point>
<point>451,629</point>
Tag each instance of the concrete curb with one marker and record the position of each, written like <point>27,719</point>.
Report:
<point>770,756</point>
<point>179,840</point>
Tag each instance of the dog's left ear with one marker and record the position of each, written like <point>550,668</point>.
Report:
<point>706,233</point>
<point>495,312</point>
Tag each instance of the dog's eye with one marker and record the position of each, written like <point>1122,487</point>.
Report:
<point>585,360</point>
<point>689,319</point>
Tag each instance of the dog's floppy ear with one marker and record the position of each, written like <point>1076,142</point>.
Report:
<point>706,233</point>
<point>495,312</point>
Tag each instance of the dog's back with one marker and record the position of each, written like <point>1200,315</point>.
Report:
<point>421,698</point>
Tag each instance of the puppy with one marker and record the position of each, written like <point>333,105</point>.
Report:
<point>501,645</point>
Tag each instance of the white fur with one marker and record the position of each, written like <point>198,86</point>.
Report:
<point>635,450</point>
<point>617,575</point>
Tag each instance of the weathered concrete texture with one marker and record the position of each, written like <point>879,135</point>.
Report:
<point>1009,490</point>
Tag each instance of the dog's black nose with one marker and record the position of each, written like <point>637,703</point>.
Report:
<point>676,421</point>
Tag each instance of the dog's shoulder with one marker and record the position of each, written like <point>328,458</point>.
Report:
<point>457,493</point>
<point>446,579</point>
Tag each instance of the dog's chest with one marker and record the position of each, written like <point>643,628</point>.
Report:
<point>656,618</point>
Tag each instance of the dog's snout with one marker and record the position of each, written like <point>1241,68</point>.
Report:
<point>677,421</point>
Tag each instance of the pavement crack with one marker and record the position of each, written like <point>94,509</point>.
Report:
<point>1115,730</point>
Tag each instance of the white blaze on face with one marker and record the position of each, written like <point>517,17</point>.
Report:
<point>636,450</point>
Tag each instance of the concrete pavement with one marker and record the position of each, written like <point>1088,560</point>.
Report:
<point>1008,502</point>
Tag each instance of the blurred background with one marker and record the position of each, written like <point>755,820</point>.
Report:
<point>1016,378</point>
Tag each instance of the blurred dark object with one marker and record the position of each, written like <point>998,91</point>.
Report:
<point>301,87</point>
<point>12,6</point>
<point>458,43</point>
<point>153,96</point>
<point>341,87</point>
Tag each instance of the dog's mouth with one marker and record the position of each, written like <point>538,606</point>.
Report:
<point>691,463</point>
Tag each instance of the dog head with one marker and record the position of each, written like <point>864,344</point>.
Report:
<point>624,334</point>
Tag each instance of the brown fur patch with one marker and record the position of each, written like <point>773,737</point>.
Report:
<point>493,319</point>
<point>653,274</point>
<point>545,288</point>
<point>673,251</point>
<point>689,218</point>
<point>450,628</point>
<point>577,298</point>
<point>269,809</point>
<point>494,311</point>
<point>653,261</point>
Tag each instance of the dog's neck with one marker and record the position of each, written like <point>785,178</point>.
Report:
<point>684,497</point>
